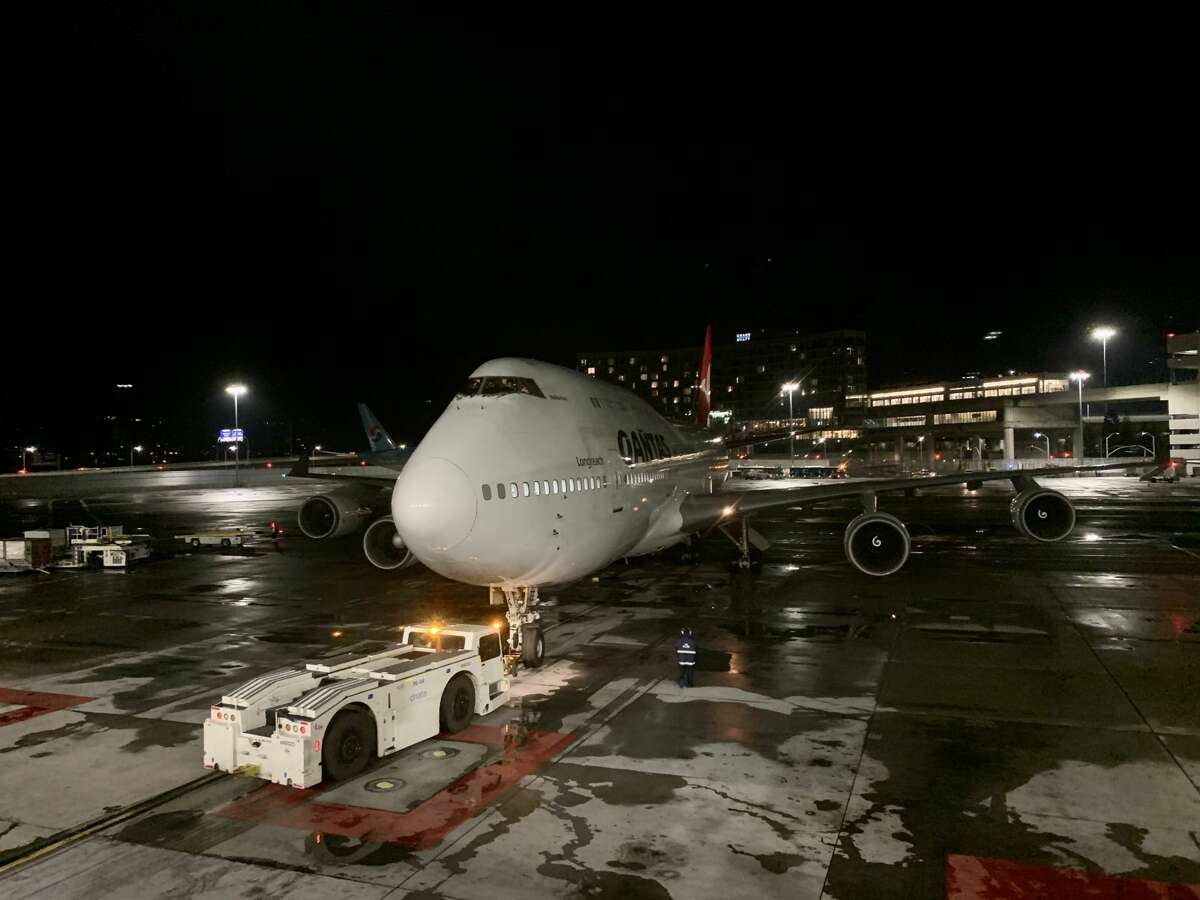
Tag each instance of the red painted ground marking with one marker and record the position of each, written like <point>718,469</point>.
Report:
<point>979,878</point>
<point>427,824</point>
<point>34,704</point>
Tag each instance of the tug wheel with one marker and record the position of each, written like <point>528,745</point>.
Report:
<point>458,704</point>
<point>348,745</point>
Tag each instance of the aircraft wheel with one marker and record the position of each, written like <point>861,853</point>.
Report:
<point>225,542</point>
<point>533,646</point>
<point>195,542</point>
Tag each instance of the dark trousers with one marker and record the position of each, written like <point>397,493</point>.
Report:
<point>685,675</point>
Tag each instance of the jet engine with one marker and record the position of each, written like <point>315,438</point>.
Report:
<point>877,543</point>
<point>384,547</point>
<point>340,512</point>
<point>1042,514</point>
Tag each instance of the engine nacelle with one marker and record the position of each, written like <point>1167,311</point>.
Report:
<point>384,547</point>
<point>877,543</point>
<point>340,512</point>
<point>1042,514</point>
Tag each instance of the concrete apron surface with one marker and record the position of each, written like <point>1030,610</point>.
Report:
<point>998,719</point>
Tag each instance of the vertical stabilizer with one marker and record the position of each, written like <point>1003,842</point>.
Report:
<point>377,437</point>
<point>703,400</point>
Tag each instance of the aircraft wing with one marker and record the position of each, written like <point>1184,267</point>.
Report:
<point>381,476</point>
<point>702,511</point>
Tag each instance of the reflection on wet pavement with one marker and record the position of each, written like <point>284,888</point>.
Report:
<point>997,710</point>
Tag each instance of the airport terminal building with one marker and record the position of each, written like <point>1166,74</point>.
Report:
<point>973,420</point>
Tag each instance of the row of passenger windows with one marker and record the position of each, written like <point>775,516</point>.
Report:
<point>640,477</point>
<point>513,490</point>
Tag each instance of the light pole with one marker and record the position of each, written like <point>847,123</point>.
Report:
<point>24,461</point>
<point>790,387</point>
<point>132,450</point>
<point>1079,377</point>
<point>1037,435</point>
<point>1153,444</point>
<point>235,390</point>
<point>1102,333</point>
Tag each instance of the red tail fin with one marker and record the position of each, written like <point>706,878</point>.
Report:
<point>703,398</point>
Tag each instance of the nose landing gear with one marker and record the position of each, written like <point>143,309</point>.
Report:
<point>526,640</point>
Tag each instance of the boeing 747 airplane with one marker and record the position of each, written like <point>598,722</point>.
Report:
<point>538,475</point>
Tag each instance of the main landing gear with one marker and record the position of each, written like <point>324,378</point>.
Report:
<point>750,545</point>
<point>526,640</point>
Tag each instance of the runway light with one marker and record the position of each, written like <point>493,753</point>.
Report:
<point>270,466</point>
<point>337,634</point>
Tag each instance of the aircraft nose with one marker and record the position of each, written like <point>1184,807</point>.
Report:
<point>433,504</point>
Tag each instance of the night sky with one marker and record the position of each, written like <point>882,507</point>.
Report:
<point>348,202</point>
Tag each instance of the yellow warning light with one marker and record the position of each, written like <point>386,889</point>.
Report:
<point>337,634</point>
<point>434,630</point>
<point>496,626</point>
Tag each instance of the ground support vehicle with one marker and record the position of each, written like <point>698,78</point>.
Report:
<point>328,720</point>
<point>227,537</point>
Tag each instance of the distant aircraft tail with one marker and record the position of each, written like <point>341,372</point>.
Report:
<point>704,395</point>
<point>377,436</point>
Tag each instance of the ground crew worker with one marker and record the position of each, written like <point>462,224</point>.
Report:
<point>685,655</point>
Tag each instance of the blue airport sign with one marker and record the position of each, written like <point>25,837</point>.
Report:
<point>231,436</point>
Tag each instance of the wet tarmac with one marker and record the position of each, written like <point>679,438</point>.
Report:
<point>998,713</point>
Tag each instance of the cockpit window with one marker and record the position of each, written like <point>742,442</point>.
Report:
<point>499,386</point>
<point>471,388</point>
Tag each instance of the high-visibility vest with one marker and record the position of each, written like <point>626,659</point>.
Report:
<point>686,653</point>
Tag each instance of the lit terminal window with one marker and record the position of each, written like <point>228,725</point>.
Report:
<point>964,418</point>
<point>821,412</point>
<point>591,370</point>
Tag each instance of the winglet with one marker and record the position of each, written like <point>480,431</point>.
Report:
<point>377,437</point>
<point>704,394</point>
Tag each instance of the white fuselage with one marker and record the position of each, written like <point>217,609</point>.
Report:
<point>598,475</point>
